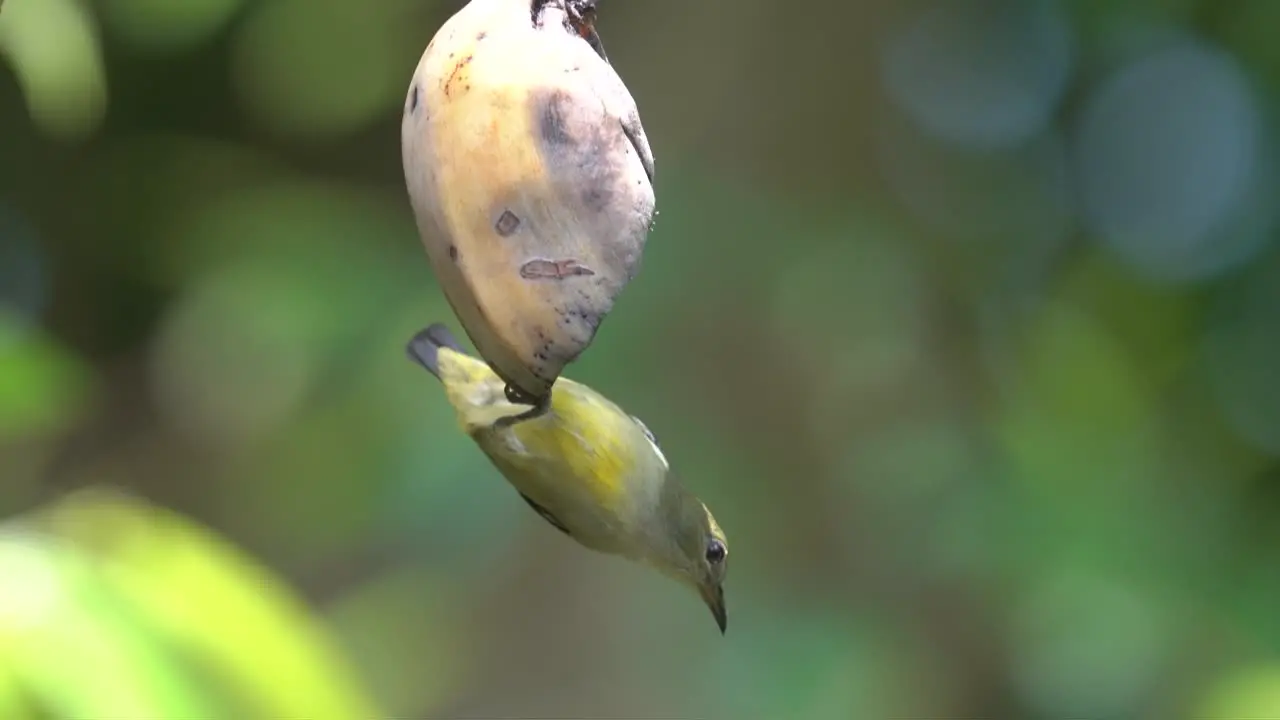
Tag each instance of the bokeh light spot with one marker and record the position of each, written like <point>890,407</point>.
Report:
<point>54,49</point>
<point>1085,646</point>
<point>231,363</point>
<point>42,387</point>
<point>1248,692</point>
<point>980,74</point>
<point>34,585</point>
<point>318,68</point>
<point>1170,158</point>
<point>1076,401</point>
<point>167,25</point>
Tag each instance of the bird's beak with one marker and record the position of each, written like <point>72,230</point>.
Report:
<point>713,596</point>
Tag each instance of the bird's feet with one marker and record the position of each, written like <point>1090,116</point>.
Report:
<point>516,396</point>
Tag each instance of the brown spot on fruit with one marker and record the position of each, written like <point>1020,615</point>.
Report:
<point>508,223</point>
<point>453,253</point>
<point>542,269</point>
<point>413,98</point>
<point>453,74</point>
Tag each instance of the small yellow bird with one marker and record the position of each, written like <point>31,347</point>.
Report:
<point>587,467</point>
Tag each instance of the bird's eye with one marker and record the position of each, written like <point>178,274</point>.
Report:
<point>715,551</point>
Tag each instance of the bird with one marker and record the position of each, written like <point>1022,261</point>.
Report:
<point>587,467</point>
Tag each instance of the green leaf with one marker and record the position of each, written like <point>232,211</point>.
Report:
<point>65,645</point>
<point>215,603</point>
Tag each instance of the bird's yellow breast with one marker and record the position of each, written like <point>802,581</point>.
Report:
<point>585,460</point>
<point>582,441</point>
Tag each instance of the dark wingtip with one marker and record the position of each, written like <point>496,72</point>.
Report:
<point>424,347</point>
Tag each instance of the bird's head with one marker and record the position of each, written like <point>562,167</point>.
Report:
<point>704,554</point>
<point>682,538</point>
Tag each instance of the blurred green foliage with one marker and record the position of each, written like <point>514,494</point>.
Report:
<point>114,608</point>
<point>961,315</point>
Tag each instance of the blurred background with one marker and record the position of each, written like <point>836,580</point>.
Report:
<point>963,316</point>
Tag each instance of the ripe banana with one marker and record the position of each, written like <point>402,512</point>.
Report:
<point>531,181</point>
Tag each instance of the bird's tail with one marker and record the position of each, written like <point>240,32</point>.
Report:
<point>424,347</point>
<point>472,387</point>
